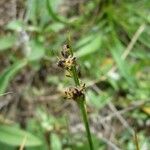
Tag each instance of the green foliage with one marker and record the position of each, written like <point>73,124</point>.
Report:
<point>56,143</point>
<point>97,100</point>
<point>123,67</point>
<point>37,51</point>
<point>89,45</point>
<point>15,25</point>
<point>9,73</point>
<point>7,42</point>
<point>15,136</point>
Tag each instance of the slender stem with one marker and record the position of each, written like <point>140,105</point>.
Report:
<point>86,123</point>
<point>74,70</point>
<point>136,141</point>
<point>81,103</point>
<point>75,76</point>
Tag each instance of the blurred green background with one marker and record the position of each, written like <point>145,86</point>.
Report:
<point>111,40</point>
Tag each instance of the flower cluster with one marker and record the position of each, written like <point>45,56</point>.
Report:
<point>75,92</point>
<point>66,61</point>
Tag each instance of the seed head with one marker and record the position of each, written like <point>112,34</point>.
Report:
<point>61,63</point>
<point>65,51</point>
<point>67,63</point>
<point>70,62</point>
<point>75,92</point>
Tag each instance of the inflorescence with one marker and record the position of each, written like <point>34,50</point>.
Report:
<point>67,61</point>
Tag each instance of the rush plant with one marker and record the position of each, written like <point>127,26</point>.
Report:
<point>67,61</point>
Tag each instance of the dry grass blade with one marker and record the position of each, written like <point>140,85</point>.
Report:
<point>22,146</point>
<point>133,41</point>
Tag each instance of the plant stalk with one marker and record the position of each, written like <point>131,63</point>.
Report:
<point>81,104</point>
<point>86,123</point>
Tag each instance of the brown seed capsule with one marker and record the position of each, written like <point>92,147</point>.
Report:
<point>70,62</point>
<point>67,63</point>
<point>61,63</point>
<point>66,47</point>
<point>65,52</point>
<point>74,92</point>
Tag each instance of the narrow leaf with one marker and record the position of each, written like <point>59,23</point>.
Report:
<point>14,136</point>
<point>122,65</point>
<point>9,73</point>
<point>90,47</point>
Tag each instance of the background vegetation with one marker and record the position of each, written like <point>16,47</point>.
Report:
<point>111,40</point>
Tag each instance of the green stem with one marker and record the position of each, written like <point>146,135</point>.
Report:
<point>75,76</point>
<point>86,123</point>
<point>81,103</point>
<point>74,70</point>
<point>83,109</point>
<point>136,141</point>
